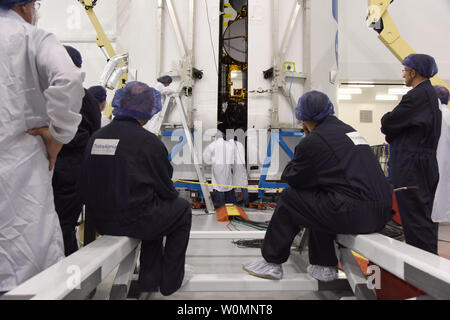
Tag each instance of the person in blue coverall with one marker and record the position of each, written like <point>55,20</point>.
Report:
<point>413,129</point>
<point>336,186</point>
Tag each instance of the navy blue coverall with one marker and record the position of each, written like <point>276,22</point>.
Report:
<point>336,187</point>
<point>67,171</point>
<point>413,129</point>
<point>129,192</point>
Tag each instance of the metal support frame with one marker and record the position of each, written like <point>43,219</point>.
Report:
<point>355,277</point>
<point>105,45</point>
<point>186,62</point>
<point>380,19</point>
<point>186,138</point>
<point>124,275</point>
<point>276,136</point>
<point>279,74</point>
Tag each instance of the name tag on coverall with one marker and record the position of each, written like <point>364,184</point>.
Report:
<point>104,147</point>
<point>357,138</point>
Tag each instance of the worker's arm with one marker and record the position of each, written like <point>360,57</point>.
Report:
<point>300,172</point>
<point>161,169</point>
<point>396,121</point>
<point>64,88</point>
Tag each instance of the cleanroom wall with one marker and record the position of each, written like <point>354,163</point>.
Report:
<point>364,58</point>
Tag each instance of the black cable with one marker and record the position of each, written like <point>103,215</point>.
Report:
<point>251,243</point>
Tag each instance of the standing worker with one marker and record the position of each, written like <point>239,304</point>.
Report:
<point>99,92</point>
<point>41,92</point>
<point>126,186</point>
<point>413,129</point>
<point>336,186</point>
<point>220,155</point>
<point>163,86</point>
<point>68,204</point>
<point>239,168</point>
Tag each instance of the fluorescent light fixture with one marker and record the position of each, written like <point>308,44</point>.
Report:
<point>398,91</point>
<point>347,91</point>
<point>344,97</point>
<point>386,97</point>
<point>361,84</point>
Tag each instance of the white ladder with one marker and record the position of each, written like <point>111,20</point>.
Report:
<point>197,164</point>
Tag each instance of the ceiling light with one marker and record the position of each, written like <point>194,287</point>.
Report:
<point>398,91</point>
<point>344,97</point>
<point>347,91</point>
<point>361,84</point>
<point>386,97</point>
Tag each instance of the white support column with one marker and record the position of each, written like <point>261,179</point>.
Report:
<point>159,34</point>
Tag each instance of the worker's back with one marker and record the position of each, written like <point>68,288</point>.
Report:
<point>341,162</point>
<point>125,172</point>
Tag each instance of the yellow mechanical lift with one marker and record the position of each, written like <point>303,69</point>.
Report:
<point>381,21</point>
<point>104,44</point>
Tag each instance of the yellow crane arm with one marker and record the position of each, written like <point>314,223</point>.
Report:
<point>103,43</point>
<point>381,21</point>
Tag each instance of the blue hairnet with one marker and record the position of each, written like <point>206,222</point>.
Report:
<point>137,100</point>
<point>75,55</point>
<point>424,64</point>
<point>165,79</point>
<point>313,106</point>
<point>117,97</point>
<point>442,93</point>
<point>8,4</point>
<point>98,92</point>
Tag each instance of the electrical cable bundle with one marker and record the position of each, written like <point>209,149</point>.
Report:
<point>252,243</point>
<point>252,224</point>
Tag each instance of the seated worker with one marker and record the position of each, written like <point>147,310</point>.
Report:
<point>131,168</point>
<point>336,187</point>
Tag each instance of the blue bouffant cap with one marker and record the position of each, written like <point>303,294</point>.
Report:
<point>8,4</point>
<point>165,79</point>
<point>137,100</point>
<point>98,92</point>
<point>75,55</point>
<point>424,64</point>
<point>314,106</point>
<point>442,93</point>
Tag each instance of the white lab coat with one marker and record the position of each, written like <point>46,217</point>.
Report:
<point>239,168</point>
<point>105,121</point>
<point>220,154</point>
<point>39,86</point>
<point>153,122</point>
<point>441,204</point>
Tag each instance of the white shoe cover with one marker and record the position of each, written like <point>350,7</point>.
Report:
<point>263,269</point>
<point>322,273</point>
<point>188,273</point>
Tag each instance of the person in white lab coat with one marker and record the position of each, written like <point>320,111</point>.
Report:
<point>239,169</point>
<point>41,92</point>
<point>220,154</point>
<point>441,203</point>
<point>163,86</point>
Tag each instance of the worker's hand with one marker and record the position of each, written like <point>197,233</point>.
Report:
<point>53,146</point>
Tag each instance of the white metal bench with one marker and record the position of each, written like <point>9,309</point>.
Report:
<point>77,275</point>
<point>425,271</point>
